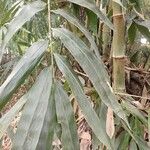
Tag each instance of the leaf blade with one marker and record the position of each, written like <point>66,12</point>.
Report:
<point>31,123</point>
<point>75,21</point>
<point>27,12</point>
<point>83,102</point>
<point>66,118</point>
<point>21,70</point>
<point>94,68</point>
<point>90,5</point>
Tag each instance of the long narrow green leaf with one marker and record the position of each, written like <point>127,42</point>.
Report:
<point>75,21</point>
<point>143,30</point>
<point>94,68</point>
<point>26,13</point>
<point>83,102</point>
<point>66,118</point>
<point>134,111</point>
<point>141,143</point>
<point>7,118</point>
<point>90,5</point>
<point>34,112</point>
<point>49,125</point>
<point>21,70</point>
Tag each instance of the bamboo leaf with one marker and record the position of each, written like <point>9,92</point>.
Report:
<point>8,117</point>
<point>26,13</point>
<point>134,111</point>
<point>21,70</point>
<point>94,68</point>
<point>143,30</point>
<point>88,111</point>
<point>132,32</point>
<point>66,118</point>
<point>34,112</point>
<point>75,21</point>
<point>92,21</point>
<point>91,5</point>
<point>49,125</point>
<point>141,143</point>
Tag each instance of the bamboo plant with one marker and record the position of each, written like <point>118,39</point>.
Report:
<point>118,46</point>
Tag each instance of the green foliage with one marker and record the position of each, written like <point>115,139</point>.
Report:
<point>21,71</point>
<point>48,113</point>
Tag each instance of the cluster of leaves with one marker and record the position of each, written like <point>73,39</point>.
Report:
<point>46,107</point>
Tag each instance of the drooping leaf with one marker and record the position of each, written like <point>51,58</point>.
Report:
<point>143,30</point>
<point>49,125</point>
<point>33,115</point>
<point>101,110</point>
<point>134,111</point>
<point>26,13</point>
<point>91,6</point>
<point>132,33</point>
<point>92,21</point>
<point>145,23</point>
<point>66,118</point>
<point>94,68</point>
<point>140,142</point>
<point>8,117</point>
<point>75,21</point>
<point>89,113</point>
<point>21,70</point>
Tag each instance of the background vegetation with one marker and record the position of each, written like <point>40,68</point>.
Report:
<point>75,74</point>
